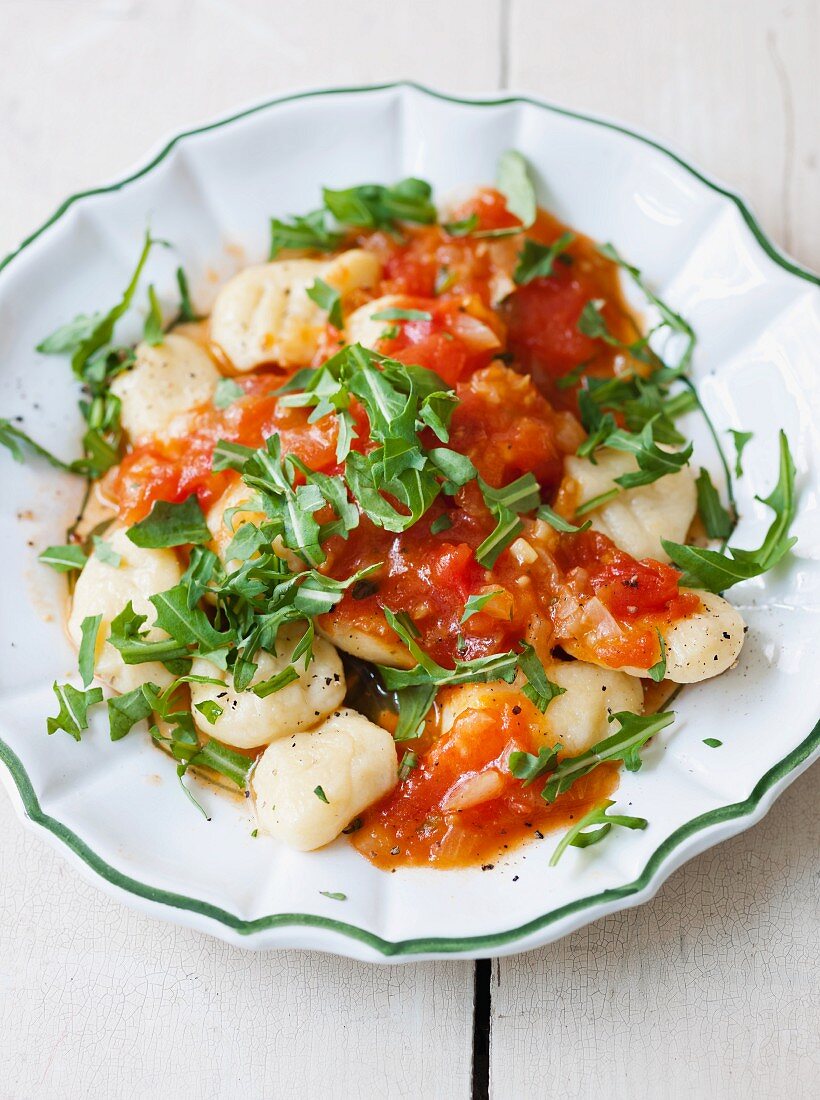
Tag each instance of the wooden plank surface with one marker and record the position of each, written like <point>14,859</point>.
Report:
<point>708,990</point>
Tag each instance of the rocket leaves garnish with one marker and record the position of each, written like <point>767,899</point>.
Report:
<point>170,524</point>
<point>715,571</point>
<point>74,706</point>
<point>578,837</point>
<point>535,261</point>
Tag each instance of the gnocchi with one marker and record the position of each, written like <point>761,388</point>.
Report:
<point>308,787</point>
<point>104,589</point>
<point>637,519</point>
<point>264,314</point>
<point>247,720</point>
<point>166,380</point>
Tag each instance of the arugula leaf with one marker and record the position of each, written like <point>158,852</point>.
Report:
<point>539,689</point>
<point>281,680</point>
<point>653,462</point>
<point>126,636</point>
<point>309,233</point>
<point>712,742</point>
<point>716,520</point>
<point>527,767</point>
<point>334,895</point>
<point>329,299</point>
<point>475,603</point>
<point>188,626</point>
<point>89,629</point>
<point>74,705</point>
<point>521,495</point>
<point>152,331</point>
<point>635,730</point>
<point>462,228</point>
<point>578,838</point>
<point>374,206</point>
<point>740,441</point>
<point>715,571</point>
<point>320,794</point>
<point>657,671</point>
<point>63,558</point>
<point>227,391</point>
<point>442,523</point>
<point>187,312</point>
<point>394,313</point>
<point>170,524</point>
<point>535,261</point>
<point>514,183</point>
<point>409,762</point>
<point>105,552</point>
<point>124,711</point>
<point>558,522</point>
<point>16,441</point>
<point>82,337</point>
<point>414,706</point>
<point>209,709</point>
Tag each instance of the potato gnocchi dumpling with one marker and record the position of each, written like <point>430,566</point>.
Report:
<point>247,720</point>
<point>577,720</point>
<point>310,786</point>
<point>705,644</point>
<point>360,326</point>
<point>264,314</point>
<point>165,380</point>
<point>104,589</point>
<point>637,519</point>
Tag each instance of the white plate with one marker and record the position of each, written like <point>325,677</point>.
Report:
<point>115,808</point>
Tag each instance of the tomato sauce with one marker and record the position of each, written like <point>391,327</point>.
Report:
<point>461,805</point>
<point>509,364</point>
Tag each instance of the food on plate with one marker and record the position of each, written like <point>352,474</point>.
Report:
<point>405,538</point>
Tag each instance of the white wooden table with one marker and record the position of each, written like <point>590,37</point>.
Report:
<point>710,990</point>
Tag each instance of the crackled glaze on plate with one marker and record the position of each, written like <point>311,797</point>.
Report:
<point>114,807</point>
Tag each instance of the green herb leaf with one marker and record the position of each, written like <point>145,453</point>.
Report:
<point>558,522</point>
<point>414,706</point>
<point>89,628</point>
<point>578,838</point>
<point>539,689</point>
<point>514,183</point>
<point>152,331</point>
<point>275,683</point>
<point>187,313</point>
<point>63,558</point>
<point>74,706</point>
<point>209,709</point>
<point>475,603</point>
<point>170,525</point>
<point>712,742</point>
<point>309,233</point>
<point>105,552</point>
<point>377,207</point>
<point>535,261</point>
<point>394,313</point>
<point>658,670</point>
<point>124,711</point>
<point>17,442</point>
<point>716,520</point>
<point>227,391</point>
<point>715,571</point>
<point>740,440</point>
<point>635,730</point>
<point>528,768</point>
<point>329,299</point>
<point>442,523</point>
<point>409,762</point>
<point>333,895</point>
<point>320,794</point>
<point>462,228</point>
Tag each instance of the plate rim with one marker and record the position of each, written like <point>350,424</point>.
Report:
<point>653,874</point>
